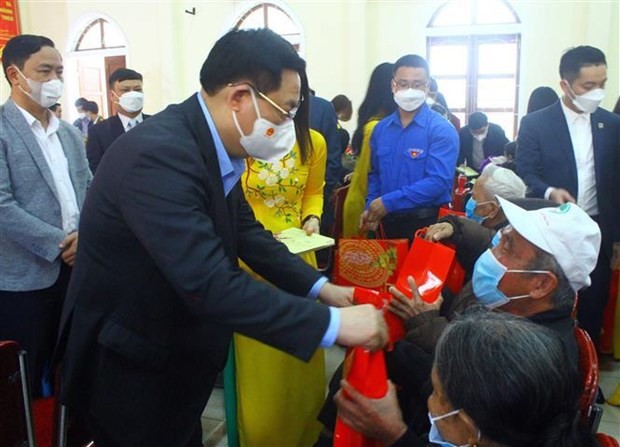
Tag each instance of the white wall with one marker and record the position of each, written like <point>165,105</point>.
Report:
<point>345,40</point>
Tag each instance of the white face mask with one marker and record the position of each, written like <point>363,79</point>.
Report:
<point>82,115</point>
<point>131,101</point>
<point>481,136</point>
<point>45,94</point>
<point>268,142</point>
<point>409,99</point>
<point>589,101</point>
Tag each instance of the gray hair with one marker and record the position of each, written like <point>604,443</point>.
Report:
<point>502,182</point>
<point>512,377</point>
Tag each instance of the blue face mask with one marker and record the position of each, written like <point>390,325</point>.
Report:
<point>488,272</point>
<point>496,238</point>
<point>435,437</point>
<point>470,210</point>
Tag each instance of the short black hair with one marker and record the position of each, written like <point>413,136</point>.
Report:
<point>123,74</point>
<point>91,106</point>
<point>53,107</point>
<point>412,60</point>
<point>257,56</point>
<point>19,49</point>
<point>342,104</point>
<point>477,120</point>
<point>575,58</point>
<point>80,102</point>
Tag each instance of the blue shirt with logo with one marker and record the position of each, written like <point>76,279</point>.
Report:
<point>412,167</point>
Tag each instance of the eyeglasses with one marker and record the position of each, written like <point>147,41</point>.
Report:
<point>416,85</point>
<point>290,115</point>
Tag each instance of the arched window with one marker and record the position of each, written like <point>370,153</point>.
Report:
<point>274,17</point>
<point>473,49</point>
<point>96,48</point>
<point>100,35</point>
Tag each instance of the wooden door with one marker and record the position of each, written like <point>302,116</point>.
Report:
<point>92,82</point>
<point>112,63</point>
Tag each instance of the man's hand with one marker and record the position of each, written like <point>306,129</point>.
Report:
<point>375,418</point>
<point>311,225</point>
<point>69,248</point>
<point>370,218</point>
<point>560,195</point>
<point>615,257</point>
<point>439,231</point>
<point>407,308</point>
<point>336,296</point>
<point>363,326</point>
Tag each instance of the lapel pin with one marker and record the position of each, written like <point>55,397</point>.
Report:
<point>601,125</point>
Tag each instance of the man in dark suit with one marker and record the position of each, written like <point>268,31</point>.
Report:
<point>570,152</point>
<point>157,290</point>
<point>43,180</point>
<point>82,123</point>
<point>479,140</point>
<point>324,120</point>
<point>126,92</point>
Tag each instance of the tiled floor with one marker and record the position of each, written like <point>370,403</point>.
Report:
<point>214,425</point>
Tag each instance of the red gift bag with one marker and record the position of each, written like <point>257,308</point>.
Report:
<point>430,264</point>
<point>366,372</point>
<point>396,327</point>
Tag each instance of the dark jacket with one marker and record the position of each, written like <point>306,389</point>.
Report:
<point>156,291</point>
<point>101,136</point>
<point>545,158</point>
<point>492,145</point>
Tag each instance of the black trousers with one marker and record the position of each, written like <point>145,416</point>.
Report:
<point>593,299</point>
<point>403,225</point>
<point>31,318</point>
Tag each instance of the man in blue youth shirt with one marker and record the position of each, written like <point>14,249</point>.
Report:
<point>413,158</point>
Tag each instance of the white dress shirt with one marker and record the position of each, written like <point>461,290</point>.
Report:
<point>130,123</point>
<point>57,162</point>
<point>580,130</point>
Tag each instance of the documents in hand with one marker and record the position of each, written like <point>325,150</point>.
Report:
<point>297,241</point>
<point>467,171</point>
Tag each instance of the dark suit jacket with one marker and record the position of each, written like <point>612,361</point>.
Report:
<point>156,291</point>
<point>101,136</point>
<point>78,124</point>
<point>492,146</point>
<point>545,158</point>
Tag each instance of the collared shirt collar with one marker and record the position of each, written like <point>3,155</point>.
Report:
<point>572,116</point>
<point>231,169</point>
<point>420,118</point>
<point>52,125</point>
<point>125,119</point>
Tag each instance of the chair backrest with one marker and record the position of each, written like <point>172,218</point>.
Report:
<point>606,440</point>
<point>15,412</point>
<point>588,366</point>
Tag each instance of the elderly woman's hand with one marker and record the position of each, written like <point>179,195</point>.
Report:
<point>406,307</point>
<point>375,418</point>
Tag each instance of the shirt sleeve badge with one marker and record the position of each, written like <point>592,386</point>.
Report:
<point>415,153</point>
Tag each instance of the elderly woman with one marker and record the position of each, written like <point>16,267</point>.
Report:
<point>498,381</point>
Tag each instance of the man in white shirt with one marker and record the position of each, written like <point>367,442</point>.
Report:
<point>126,92</point>
<point>43,179</point>
<point>570,152</point>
